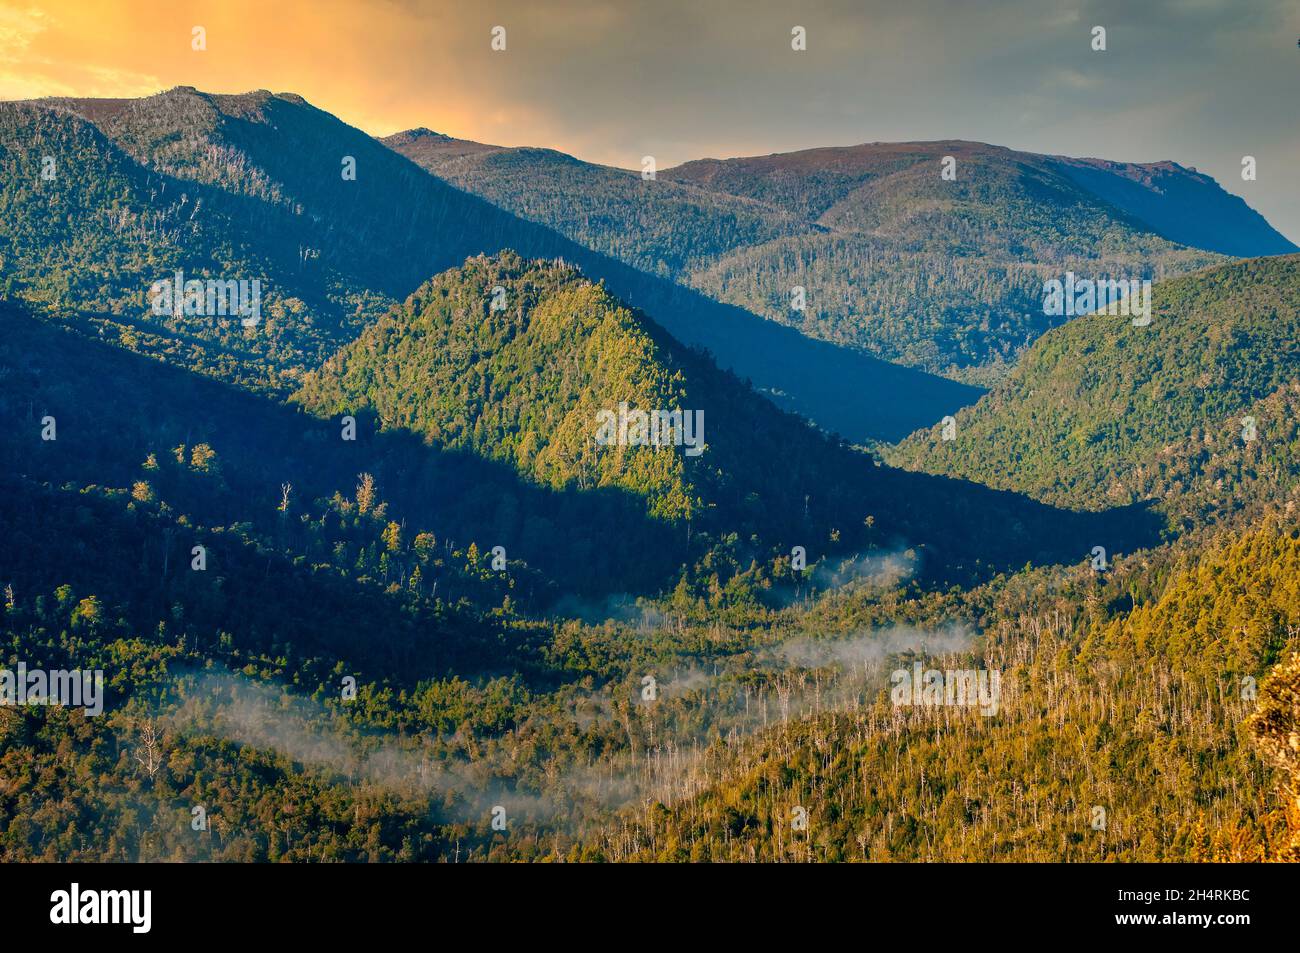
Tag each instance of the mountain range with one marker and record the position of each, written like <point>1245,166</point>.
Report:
<point>253,186</point>
<point>366,571</point>
<point>943,275</point>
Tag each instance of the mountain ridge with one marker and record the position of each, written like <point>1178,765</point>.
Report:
<point>893,259</point>
<point>266,171</point>
<point>1102,413</point>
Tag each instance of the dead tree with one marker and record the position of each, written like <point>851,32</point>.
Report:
<point>149,753</point>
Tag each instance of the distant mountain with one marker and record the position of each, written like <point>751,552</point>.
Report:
<point>658,226</point>
<point>253,186</point>
<point>1100,413</point>
<point>1181,204</point>
<point>433,146</point>
<point>825,185</point>
<point>231,187</point>
<point>894,259</point>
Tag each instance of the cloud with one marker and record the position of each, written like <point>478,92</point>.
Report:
<point>867,649</point>
<point>670,739</point>
<point>17,29</point>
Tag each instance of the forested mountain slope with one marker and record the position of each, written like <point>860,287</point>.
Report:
<point>121,420</point>
<point>525,385</point>
<point>362,574</point>
<point>895,259</point>
<point>1120,735</point>
<point>256,186</point>
<point>1195,411</point>
<point>659,226</point>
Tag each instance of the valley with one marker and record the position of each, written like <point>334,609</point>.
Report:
<point>439,617</point>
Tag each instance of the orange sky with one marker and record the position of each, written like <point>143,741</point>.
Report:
<point>1201,82</point>
<point>378,65</point>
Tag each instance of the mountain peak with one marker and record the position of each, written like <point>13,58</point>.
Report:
<point>422,142</point>
<point>419,132</point>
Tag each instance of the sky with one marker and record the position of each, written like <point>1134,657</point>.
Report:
<point>1199,82</point>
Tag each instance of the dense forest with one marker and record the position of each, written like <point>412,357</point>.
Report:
<point>216,702</point>
<point>252,186</point>
<point>1193,413</point>
<point>524,385</point>
<point>944,274</point>
<point>1136,703</point>
<point>365,585</point>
